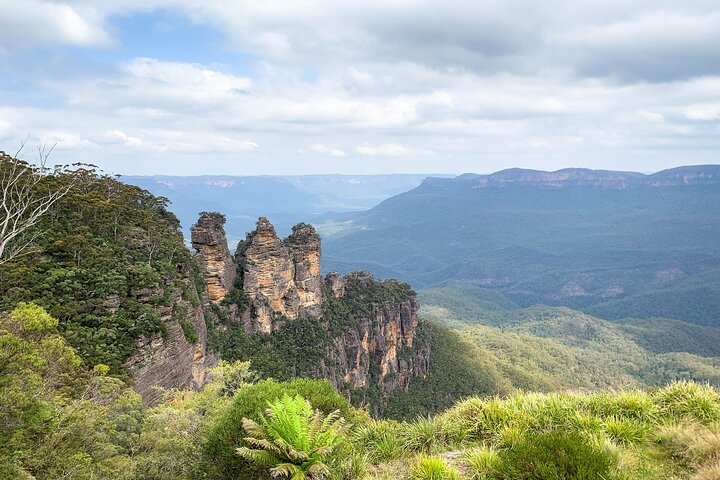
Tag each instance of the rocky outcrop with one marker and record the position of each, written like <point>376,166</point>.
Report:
<point>281,279</point>
<point>336,284</point>
<point>178,358</point>
<point>213,256</point>
<point>381,348</point>
<point>304,247</point>
<point>367,329</point>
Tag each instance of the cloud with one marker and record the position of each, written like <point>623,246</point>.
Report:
<point>32,23</point>
<point>389,85</point>
<point>322,150</point>
<point>384,150</point>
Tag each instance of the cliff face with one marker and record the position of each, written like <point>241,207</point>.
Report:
<point>381,347</point>
<point>213,256</point>
<point>179,358</point>
<point>280,278</point>
<point>701,175</point>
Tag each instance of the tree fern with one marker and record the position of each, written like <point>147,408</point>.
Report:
<point>293,440</point>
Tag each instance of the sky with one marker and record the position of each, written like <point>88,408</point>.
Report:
<point>183,87</point>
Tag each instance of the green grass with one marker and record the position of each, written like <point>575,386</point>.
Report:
<point>432,468</point>
<point>668,433</point>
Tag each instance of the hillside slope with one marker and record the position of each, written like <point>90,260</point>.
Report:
<point>612,244</point>
<point>544,348</point>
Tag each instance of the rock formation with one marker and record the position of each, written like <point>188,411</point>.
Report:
<point>336,284</point>
<point>381,349</point>
<point>370,326</point>
<point>172,360</point>
<point>280,278</point>
<point>213,256</point>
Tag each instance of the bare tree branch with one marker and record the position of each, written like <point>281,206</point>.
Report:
<point>25,199</point>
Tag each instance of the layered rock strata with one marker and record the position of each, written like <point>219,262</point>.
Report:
<point>374,345</point>
<point>281,278</point>
<point>178,358</point>
<point>213,256</point>
<point>381,348</point>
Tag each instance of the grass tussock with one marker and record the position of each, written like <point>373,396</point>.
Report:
<point>432,468</point>
<point>670,433</point>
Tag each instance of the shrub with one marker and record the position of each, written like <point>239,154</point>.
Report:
<point>293,440</point>
<point>554,455</point>
<point>626,430</point>
<point>628,404</point>
<point>432,468</point>
<point>226,433</point>
<point>426,434</point>
<point>689,399</point>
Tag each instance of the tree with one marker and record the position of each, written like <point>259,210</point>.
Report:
<point>27,195</point>
<point>293,440</point>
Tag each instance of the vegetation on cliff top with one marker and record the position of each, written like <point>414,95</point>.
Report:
<point>108,254</point>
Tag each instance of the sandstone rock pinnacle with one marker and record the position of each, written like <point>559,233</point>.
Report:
<point>218,269</point>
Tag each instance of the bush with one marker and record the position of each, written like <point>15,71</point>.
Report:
<point>554,455</point>
<point>381,439</point>
<point>425,435</point>
<point>690,400</point>
<point>432,468</point>
<point>626,430</point>
<point>250,401</point>
<point>293,440</point>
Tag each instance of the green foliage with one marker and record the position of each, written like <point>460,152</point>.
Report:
<point>249,401</point>
<point>381,439</point>
<point>58,420</point>
<point>549,348</point>
<point>108,255</point>
<point>432,468</point>
<point>180,315</point>
<point>483,462</point>
<point>689,400</point>
<point>553,455</point>
<point>457,369</point>
<point>426,434</point>
<point>294,441</point>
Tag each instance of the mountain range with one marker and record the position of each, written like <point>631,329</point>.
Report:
<point>283,199</point>
<point>611,244</point>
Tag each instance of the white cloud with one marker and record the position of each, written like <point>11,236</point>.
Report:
<point>322,150</point>
<point>30,23</point>
<point>386,85</point>
<point>708,111</point>
<point>384,150</point>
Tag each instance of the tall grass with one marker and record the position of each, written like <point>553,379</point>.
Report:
<point>482,461</point>
<point>380,439</point>
<point>432,468</point>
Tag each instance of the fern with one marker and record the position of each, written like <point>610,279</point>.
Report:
<point>293,440</point>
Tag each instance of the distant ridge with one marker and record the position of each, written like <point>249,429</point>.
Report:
<point>681,176</point>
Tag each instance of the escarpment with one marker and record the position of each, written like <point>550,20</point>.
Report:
<point>365,329</point>
<point>378,345</point>
<point>179,357</point>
